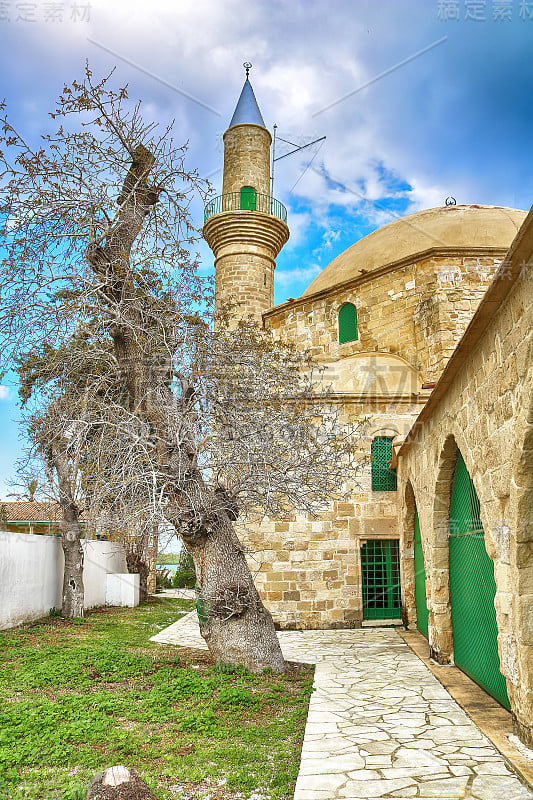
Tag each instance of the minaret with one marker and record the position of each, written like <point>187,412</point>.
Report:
<point>245,227</point>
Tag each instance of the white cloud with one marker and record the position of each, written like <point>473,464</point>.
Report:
<point>299,222</point>
<point>431,126</point>
<point>304,59</point>
<point>303,275</point>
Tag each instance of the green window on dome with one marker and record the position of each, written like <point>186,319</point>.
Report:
<point>348,323</point>
<point>383,477</point>
<point>248,198</point>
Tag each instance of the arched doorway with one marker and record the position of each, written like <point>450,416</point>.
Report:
<point>472,589</point>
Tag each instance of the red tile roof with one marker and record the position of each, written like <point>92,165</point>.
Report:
<point>25,511</point>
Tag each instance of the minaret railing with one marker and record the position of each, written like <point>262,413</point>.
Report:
<point>235,201</point>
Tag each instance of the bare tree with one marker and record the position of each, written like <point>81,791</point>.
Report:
<point>93,453</point>
<point>218,424</point>
<point>55,448</point>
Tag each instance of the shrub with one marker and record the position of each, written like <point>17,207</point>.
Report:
<point>163,580</point>
<point>236,696</point>
<point>185,575</point>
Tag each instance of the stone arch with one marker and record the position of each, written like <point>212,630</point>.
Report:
<point>373,372</point>
<point>518,648</point>
<point>407,561</point>
<point>522,479</point>
<point>482,485</point>
<point>453,444</point>
<point>440,626</point>
<point>443,488</point>
<point>440,618</point>
<point>383,430</point>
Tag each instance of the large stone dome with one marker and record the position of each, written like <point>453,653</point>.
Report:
<point>446,227</point>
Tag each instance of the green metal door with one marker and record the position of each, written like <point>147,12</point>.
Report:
<point>248,198</point>
<point>472,590</point>
<point>420,582</point>
<point>380,563</point>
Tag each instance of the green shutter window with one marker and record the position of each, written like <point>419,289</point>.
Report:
<point>383,477</point>
<point>248,198</point>
<point>348,323</point>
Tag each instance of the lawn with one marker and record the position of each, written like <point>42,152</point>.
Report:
<point>78,696</point>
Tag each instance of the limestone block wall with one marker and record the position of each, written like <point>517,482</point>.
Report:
<point>416,310</point>
<point>308,570</point>
<point>246,159</point>
<point>245,244</point>
<point>483,406</point>
<point>245,280</point>
<point>447,305</point>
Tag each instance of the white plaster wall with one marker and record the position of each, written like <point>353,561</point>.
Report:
<point>31,570</point>
<point>123,590</point>
<point>100,559</point>
<point>31,574</point>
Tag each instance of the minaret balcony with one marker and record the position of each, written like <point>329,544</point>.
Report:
<point>245,201</point>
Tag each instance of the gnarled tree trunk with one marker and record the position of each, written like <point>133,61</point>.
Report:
<point>136,565</point>
<point>236,626</point>
<point>151,581</point>
<point>73,595</point>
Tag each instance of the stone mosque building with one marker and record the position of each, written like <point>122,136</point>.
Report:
<point>424,327</point>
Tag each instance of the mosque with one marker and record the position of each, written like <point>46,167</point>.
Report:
<point>424,327</point>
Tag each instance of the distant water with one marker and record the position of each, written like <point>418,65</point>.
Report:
<point>169,567</point>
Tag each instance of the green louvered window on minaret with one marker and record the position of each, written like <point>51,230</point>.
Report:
<point>348,323</point>
<point>383,477</point>
<point>248,199</point>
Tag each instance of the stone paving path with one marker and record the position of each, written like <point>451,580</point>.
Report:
<point>380,725</point>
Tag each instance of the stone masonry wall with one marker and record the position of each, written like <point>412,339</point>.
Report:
<point>417,311</point>
<point>247,159</point>
<point>485,409</point>
<point>309,570</point>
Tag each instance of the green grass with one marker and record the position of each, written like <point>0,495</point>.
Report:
<point>78,696</point>
<point>168,558</point>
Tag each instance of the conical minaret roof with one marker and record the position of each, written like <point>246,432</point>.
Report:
<point>247,110</point>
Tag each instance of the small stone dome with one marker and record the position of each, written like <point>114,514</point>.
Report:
<point>446,227</point>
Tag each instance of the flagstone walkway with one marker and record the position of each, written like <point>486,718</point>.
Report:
<point>380,725</point>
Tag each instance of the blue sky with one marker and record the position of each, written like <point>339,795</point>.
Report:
<point>437,102</point>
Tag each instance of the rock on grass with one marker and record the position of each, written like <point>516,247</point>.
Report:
<point>119,783</point>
